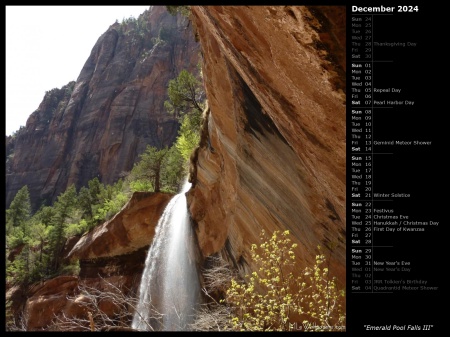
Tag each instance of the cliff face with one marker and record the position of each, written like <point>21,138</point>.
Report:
<point>98,125</point>
<point>275,82</point>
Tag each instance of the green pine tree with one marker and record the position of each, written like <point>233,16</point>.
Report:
<point>63,208</point>
<point>19,210</point>
<point>185,93</point>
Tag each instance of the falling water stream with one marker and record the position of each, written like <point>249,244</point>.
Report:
<point>169,290</point>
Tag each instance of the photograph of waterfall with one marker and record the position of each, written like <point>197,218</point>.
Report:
<point>192,177</point>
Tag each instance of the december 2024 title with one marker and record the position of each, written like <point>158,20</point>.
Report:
<point>383,9</point>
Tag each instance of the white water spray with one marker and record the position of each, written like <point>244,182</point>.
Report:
<point>169,290</point>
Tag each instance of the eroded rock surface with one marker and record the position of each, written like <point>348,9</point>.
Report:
<point>275,81</point>
<point>129,230</point>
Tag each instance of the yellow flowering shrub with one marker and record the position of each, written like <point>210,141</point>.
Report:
<point>273,299</point>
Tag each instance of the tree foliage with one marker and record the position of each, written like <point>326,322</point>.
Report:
<point>63,207</point>
<point>20,208</point>
<point>85,202</point>
<point>28,242</point>
<point>174,10</point>
<point>158,169</point>
<point>189,134</point>
<point>186,101</point>
<point>185,93</point>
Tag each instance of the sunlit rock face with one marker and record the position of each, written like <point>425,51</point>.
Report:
<point>57,300</point>
<point>46,300</point>
<point>98,125</point>
<point>275,154</point>
<point>129,230</point>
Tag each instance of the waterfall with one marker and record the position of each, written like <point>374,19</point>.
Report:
<point>169,291</point>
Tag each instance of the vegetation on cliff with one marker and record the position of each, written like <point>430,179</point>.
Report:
<point>174,10</point>
<point>187,102</point>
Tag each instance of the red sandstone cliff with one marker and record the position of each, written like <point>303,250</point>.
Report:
<point>275,80</point>
<point>98,125</point>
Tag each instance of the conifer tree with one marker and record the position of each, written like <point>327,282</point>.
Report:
<point>185,94</point>
<point>20,209</point>
<point>63,207</point>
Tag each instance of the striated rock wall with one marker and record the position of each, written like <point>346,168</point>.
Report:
<point>98,125</point>
<point>275,82</point>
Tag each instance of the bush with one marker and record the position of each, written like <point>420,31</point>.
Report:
<point>141,186</point>
<point>188,135</point>
<point>76,228</point>
<point>273,299</point>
